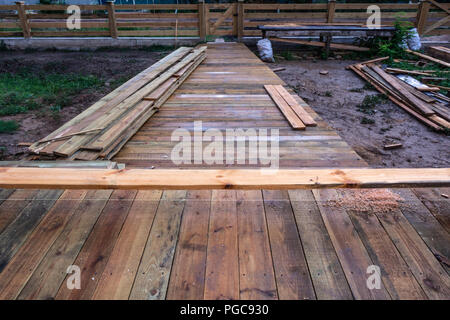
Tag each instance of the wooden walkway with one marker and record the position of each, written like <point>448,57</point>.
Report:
<point>227,92</point>
<point>225,244</point>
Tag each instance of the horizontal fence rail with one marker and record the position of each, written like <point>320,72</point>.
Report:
<point>201,20</point>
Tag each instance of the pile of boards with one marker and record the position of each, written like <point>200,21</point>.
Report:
<point>298,118</point>
<point>101,130</point>
<point>422,102</point>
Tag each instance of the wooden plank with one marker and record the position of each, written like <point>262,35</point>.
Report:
<point>424,56</point>
<point>291,268</point>
<point>442,53</point>
<point>394,82</point>
<point>154,270</point>
<point>426,225</point>
<point>351,251</point>
<point>421,261</point>
<point>222,252</point>
<point>50,274</point>
<point>15,275</point>
<point>119,274</point>
<point>438,205</point>
<point>325,269</point>
<point>227,14</point>
<point>395,274</point>
<point>187,279</point>
<point>23,19</point>
<point>11,207</point>
<point>16,233</point>
<point>322,44</point>
<point>287,111</point>
<point>301,113</point>
<point>112,19</point>
<point>143,179</point>
<point>4,194</point>
<point>96,250</point>
<point>257,278</point>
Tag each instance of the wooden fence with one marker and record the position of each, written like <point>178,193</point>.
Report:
<point>202,20</point>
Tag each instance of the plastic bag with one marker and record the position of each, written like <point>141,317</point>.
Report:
<point>265,50</point>
<point>414,40</point>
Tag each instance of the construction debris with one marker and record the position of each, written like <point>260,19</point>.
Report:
<point>442,53</point>
<point>324,72</point>
<point>406,92</point>
<point>101,130</point>
<point>393,146</point>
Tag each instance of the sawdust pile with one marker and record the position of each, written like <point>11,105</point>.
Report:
<point>371,200</point>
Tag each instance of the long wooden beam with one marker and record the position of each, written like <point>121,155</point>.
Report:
<point>66,178</point>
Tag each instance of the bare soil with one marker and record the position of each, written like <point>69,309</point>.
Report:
<point>113,67</point>
<point>334,98</point>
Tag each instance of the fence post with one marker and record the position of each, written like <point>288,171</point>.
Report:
<point>23,19</point>
<point>240,18</point>
<point>422,15</point>
<point>202,20</point>
<point>112,19</point>
<point>330,10</point>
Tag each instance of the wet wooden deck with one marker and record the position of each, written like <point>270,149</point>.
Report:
<point>227,92</point>
<point>224,244</point>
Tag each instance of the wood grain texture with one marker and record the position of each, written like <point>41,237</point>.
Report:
<point>187,280</point>
<point>222,266</point>
<point>94,255</point>
<point>351,251</point>
<point>51,272</point>
<point>118,277</point>
<point>257,277</point>
<point>154,270</point>
<point>291,269</point>
<point>11,207</point>
<point>325,269</point>
<point>30,254</point>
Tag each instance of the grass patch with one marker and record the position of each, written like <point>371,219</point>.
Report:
<point>25,91</point>
<point>287,55</point>
<point>370,102</point>
<point>8,126</point>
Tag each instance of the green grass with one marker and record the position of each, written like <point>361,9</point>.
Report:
<point>25,91</point>
<point>8,126</point>
<point>370,102</point>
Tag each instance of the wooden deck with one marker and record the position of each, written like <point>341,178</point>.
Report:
<point>224,244</point>
<point>227,92</point>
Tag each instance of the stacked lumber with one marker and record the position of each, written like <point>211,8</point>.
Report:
<point>425,107</point>
<point>101,130</point>
<point>297,116</point>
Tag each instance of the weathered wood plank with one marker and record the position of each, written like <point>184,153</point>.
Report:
<point>257,277</point>
<point>351,252</point>
<point>222,265</point>
<point>11,207</point>
<point>119,274</point>
<point>325,269</point>
<point>28,257</point>
<point>15,234</point>
<point>291,269</point>
<point>187,279</point>
<point>96,250</point>
<point>154,270</point>
<point>48,277</point>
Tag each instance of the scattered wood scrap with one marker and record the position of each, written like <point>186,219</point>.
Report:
<point>393,146</point>
<point>442,53</point>
<point>428,109</point>
<point>424,56</point>
<point>340,46</point>
<point>278,69</point>
<point>100,131</point>
<point>291,109</point>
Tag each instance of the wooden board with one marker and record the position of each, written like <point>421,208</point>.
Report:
<point>222,179</point>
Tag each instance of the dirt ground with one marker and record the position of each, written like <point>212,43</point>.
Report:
<point>334,97</point>
<point>113,67</point>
